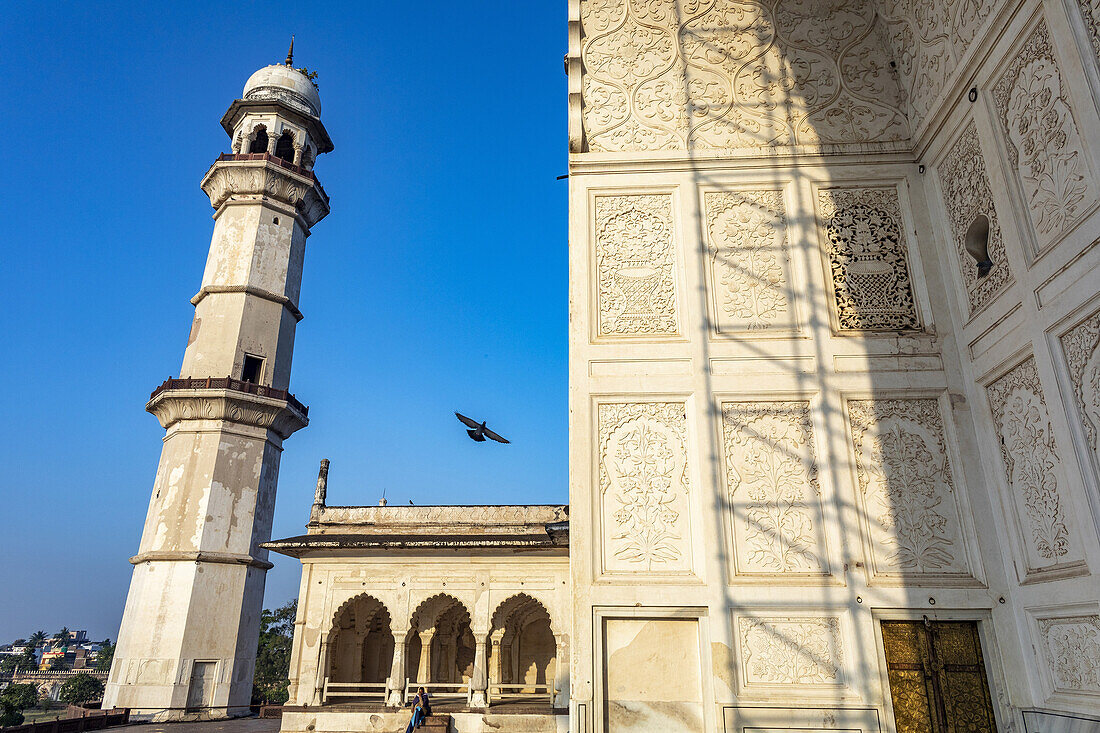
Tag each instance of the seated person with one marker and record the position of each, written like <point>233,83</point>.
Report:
<point>422,708</point>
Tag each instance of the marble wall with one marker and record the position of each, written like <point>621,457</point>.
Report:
<point>834,353</point>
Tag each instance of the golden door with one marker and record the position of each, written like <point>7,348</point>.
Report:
<point>937,678</point>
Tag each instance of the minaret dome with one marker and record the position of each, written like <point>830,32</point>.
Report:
<point>279,113</point>
<point>279,81</point>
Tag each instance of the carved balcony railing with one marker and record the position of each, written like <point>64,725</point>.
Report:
<point>268,157</point>
<point>235,385</point>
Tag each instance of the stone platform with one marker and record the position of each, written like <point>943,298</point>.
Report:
<point>385,720</point>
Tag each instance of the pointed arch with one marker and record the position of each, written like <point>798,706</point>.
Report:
<point>440,645</point>
<point>258,139</point>
<point>524,648</point>
<point>360,642</point>
<point>284,146</point>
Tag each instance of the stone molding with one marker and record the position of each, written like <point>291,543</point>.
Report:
<point>225,558</point>
<point>174,405</point>
<point>452,519</point>
<point>226,179</point>
<point>282,300</point>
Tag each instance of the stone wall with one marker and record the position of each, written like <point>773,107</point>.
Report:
<point>834,354</point>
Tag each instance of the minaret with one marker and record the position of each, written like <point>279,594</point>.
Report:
<point>187,645</point>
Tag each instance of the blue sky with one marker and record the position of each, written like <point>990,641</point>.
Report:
<point>437,283</point>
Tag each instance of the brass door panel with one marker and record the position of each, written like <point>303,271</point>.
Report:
<point>937,677</point>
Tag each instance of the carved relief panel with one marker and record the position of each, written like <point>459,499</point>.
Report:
<point>644,488</point>
<point>1090,13</point>
<point>735,74</point>
<point>929,39</point>
<point>772,489</point>
<point>907,491</point>
<point>1042,139</point>
<point>1081,345</point>
<point>1032,468</point>
<point>800,651</point>
<point>967,198</point>
<point>1071,649</point>
<point>749,273</point>
<point>635,266</point>
<point>866,250</point>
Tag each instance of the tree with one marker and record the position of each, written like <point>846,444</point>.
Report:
<point>63,637</point>
<point>27,660</point>
<point>37,638</point>
<point>14,700</point>
<point>81,688</point>
<point>269,684</point>
<point>9,663</point>
<point>105,656</point>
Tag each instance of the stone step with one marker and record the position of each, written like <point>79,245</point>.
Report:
<point>436,724</point>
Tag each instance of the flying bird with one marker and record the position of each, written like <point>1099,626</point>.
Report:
<point>478,431</point>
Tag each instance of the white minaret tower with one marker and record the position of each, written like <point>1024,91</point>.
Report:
<point>187,646</point>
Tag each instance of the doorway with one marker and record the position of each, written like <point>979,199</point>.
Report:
<point>200,693</point>
<point>937,677</point>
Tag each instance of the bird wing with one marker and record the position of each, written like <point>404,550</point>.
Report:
<point>467,421</point>
<point>490,434</point>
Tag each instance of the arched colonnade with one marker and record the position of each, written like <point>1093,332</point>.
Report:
<point>519,645</point>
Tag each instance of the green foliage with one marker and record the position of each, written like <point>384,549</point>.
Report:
<point>311,75</point>
<point>81,688</point>
<point>8,664</point>
<point>63,637</point>
<point>9,717</point>
<point>14,700</point>
<point>26,660</point>
<point>19,696</point>
<point>105,656</point>
<point>37,638</point>
<point>273,654</point>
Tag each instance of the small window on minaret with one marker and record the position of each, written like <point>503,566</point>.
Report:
<point>259,143</point>
<point>284,148</point>
<point>253,370</point>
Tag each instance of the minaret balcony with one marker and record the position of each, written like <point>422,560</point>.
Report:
<point>225,398</point>
<point>264,175</point>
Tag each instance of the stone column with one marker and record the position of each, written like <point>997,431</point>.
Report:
<point>396,683</point>
<point>494,658</point>
<point>478,680</point>
<point>561,671</point>
<point>322,671</point>
<point>297,154</point>
<point>424,669</point>
<point>272,141</point>
<point>360,639</point>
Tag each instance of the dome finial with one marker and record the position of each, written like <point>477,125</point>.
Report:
<point>290,53</point>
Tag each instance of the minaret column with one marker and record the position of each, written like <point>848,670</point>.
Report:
<point>191,620</point>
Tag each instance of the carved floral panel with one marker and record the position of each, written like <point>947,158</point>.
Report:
<point>749,261</point>
<point>644,487</point>
<point>967,195</point>
<point>1043,142</point>
<point>635,266</point>
<point>773,492</point>
<point>1081,345</point>
<point>1071,649</point>
<point>728,74</point>
<point>928,40</point>
<point>907,489</point>
<point>864,240</point>
<point>1090,13</point>
<point>1031,465</point>
<point>791,650</point>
